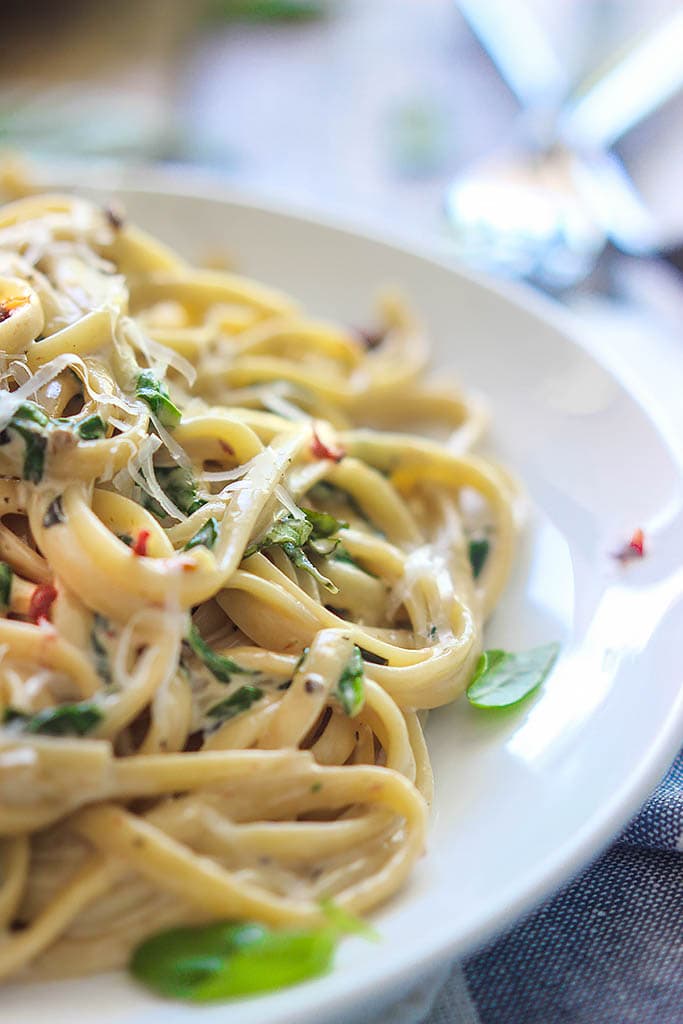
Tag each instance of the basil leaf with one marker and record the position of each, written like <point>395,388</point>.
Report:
<point>350,689</point>
<point>220,961</point>
<point>502,678</point>
<point>223,668</point>
<point>180,486</point>
<point>63,720</point>
<point>155,395</point>
<point>323,524</point>
<point>6,577</point>
<point>206,535</point>
<point>92,428</point>
<point>478,551</point>
<point>241,700</point>
<point>54,513</point>
<point>346,923</point>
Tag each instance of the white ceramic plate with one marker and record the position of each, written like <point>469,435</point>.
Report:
<point>523,799</point>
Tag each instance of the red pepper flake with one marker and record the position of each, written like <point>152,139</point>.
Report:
<point>7,306</point>
<point>227,448</point>
<point>321,450</point>
<point>41,601</point>
<point>140,545</point>
<point>635,548</point>
<point>186,564</point>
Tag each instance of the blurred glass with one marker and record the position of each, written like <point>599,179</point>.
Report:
<point>367,109</point>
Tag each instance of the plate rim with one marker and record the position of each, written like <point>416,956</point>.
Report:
<point>559,868</point>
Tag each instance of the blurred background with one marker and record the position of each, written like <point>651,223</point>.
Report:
<point>451,123</point>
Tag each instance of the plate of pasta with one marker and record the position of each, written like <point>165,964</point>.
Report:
<point>335,587</point>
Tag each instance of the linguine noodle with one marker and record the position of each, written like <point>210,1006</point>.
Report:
<point>231,583</point>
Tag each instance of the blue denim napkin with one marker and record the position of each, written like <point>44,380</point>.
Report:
<point>608,949</point>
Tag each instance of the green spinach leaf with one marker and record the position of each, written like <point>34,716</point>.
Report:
<point>350,689</point>
<point>155,394</point>
<point>223,668</point>
<point>206,535</point>
<point>241,700</point>
<point>62,720</point>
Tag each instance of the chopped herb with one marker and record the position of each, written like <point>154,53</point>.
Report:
<point>291,535</point>
<point>30,423</point>
<point>316,787</point>
<point>33,426</point>
<point>325,493</point>
<point>350,690</point>
<point>155,394</point>
<point>29,412</point>
<point>101,655</point>
<point>206,535</point>
<point>300,559</point>
<point>6,577</point>
<point>63,720</point>
<point>92,428</point>
<point>374,659</point>
<point>223,668</point>
<point>241,700</point>
<point>180,486</point>
<point>287,530</point>
<point>34,457</point>
<point>150,504</point>
<point>478,550</point>
<point>503,678</point>
<point>54,514</point>
<point>322,523</point>
<point>228,959</point>
<point>324,526</point>
<point>126,538</point>
<point>433,633</point>
<point>341,554</point>
<point>302,658</point>
<point>324,546</point>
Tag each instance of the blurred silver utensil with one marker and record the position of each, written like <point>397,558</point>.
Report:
<point>547,209</point>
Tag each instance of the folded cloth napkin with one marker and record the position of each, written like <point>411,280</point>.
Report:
<point>607,950</point>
